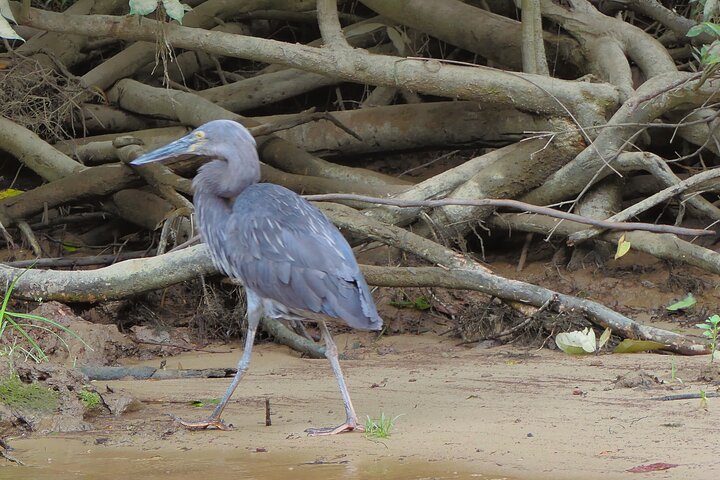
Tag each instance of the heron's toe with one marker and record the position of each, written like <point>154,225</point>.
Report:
<point>345,427</point>
<point>209,424</point>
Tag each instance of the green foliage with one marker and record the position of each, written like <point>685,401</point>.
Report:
<point>710,329</point>
<point>16,394</point>
<point>623,247</point>
<point>173,8</point>
<point>89,399</point>
<point>18,323</point>
<point>420,303</point>
<point>381,427</point>
<point>673,371</point>
<point>703,399</point>
<point>205,401</point>
<point>707,8</point>
<point>708,55</point>
<point>686,302</point>
<point>705,27</point>
<point>629,345</point>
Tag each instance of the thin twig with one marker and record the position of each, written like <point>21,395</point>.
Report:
<point>515,204</point>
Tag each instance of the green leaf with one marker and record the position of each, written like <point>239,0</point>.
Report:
<point>711,55</point>
<point>705,27</point>
<point>623,247</point>
<point>577,343</point>
<point>205,401</point>
<point>695,31</point>
<point>710,9</point>
<point>715,319</point>
<point>712,28</point>
<point>634,346</point>
<point>686,302</point>
<point>175,9</point>
<point>9,192</point>
<point>420,303</point>
<point>142,7</point>
<point>704,326</point>
<point>604,337</point>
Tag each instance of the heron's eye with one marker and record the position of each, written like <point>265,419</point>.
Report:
<point>200,139</point>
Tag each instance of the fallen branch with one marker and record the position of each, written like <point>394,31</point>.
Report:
<point>458,272</point>
<point>463,272</point>
<point>152,373</point>
<point>665,246</point>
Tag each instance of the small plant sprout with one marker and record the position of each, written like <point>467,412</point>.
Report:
<point>703,399</point>
<point>381,427</point>
<point>710,329</point>
<point>673,371</point>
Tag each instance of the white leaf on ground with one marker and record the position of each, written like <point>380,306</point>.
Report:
<point>6,30</point>
<point>5,10</point>
<point>577,343</point>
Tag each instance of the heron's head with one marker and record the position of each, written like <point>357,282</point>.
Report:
<point>220,139</point>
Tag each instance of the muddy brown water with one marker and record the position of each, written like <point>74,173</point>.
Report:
<point>504,412</point>
<point>61,458</point>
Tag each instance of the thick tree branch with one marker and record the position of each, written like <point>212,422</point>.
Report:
<point>533,51</point>
<point>329,24</point>
<point>476,30</point>
<point>135,276</point>
<point>34,153</point>
<point>654,98</point>
<point>665,246</point>
<point>535,93</point>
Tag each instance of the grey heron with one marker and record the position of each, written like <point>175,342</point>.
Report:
<point>292,261</point>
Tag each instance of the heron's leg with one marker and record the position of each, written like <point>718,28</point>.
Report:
<point>254,312</point>
<point>351,421</point>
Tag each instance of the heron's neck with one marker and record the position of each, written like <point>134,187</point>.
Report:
<point>215,187</point>
<point>225,180</point>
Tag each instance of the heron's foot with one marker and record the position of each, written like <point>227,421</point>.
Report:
<point>209,424</point>
<point>348,426</point>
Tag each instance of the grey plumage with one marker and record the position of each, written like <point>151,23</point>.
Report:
<point>292,261</point>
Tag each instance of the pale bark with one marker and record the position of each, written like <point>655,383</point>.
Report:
<point>530,92</point>
<point>654,98</point>
<point>34,153</point>
<point>193,110</point>
<point>492,36</point>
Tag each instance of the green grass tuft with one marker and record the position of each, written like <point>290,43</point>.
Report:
<point>89,399</point>
<point>20,323</point>
<point>381,427</point>
<point>16,394</point>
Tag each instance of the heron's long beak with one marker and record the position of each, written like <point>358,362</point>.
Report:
<point>182,146</point>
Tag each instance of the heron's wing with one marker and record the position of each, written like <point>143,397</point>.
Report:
<point>286,250</point>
